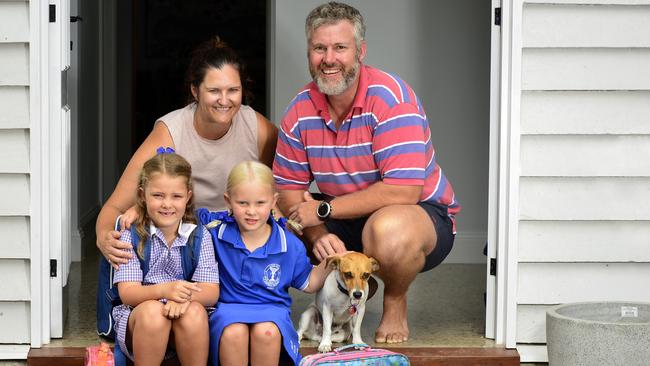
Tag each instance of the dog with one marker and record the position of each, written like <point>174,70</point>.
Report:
<point>340,305</point>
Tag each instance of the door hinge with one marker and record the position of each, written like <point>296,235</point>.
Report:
<point>52,13</point>
<point>497,16</point>
<point>493,266</point>
<point>52,267</point>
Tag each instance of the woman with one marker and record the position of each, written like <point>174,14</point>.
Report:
<point>214,133</point>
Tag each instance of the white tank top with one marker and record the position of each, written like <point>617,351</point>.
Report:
<point>212,160</point>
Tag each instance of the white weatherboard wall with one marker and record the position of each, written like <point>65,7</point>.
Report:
<point>14,178</point>
<point>583,221</point>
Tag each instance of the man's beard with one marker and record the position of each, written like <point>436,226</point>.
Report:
<point>338,87</point>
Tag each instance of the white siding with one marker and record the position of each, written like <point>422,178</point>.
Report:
<point>585,69</point>
<point>14,280</point>
<point>14,64</point>
<point>15,172</point>
<point>585,155</point>
<point>531,323</point>
<point>15,237</point>
<point>610,198</point>
<point>585,112</point>
<point>583,229</point>
<point>556,283</point>
<point>581,26</point>
<point>14,104</point>
<point>14,21</point>
<point>584,241</point>
<point>14,316</point>
<point>14,149</point>
<point>15,201</point>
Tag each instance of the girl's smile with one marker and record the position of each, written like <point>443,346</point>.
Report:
<point>166,198</point>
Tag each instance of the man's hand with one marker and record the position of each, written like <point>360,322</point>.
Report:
<point>327,245</point>
<point>174,310</point>
<point>113,249</point>
<point>180,291</point>
<point>304,213</point>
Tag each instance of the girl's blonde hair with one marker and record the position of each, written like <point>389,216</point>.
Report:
<point>245,172</point>
<point>172,165</point>
<point>250,171</point>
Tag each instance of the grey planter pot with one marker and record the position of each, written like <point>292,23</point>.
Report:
<point>598,333</point>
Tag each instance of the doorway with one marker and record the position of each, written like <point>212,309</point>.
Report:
<point>446,60</point>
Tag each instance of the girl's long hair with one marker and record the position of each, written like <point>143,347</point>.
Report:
<point>172,165</point>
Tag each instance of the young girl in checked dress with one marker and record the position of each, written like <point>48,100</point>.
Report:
<point>259,260</point>
<point>162,313</point>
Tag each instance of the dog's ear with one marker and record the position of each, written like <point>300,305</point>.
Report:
<point>375,264</point>
<point>333,262</point>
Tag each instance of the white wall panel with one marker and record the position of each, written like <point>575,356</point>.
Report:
<point>614,198</point>
<point>14,280</point>
<point>583,155</point>
<point>534,353</point>
<point>14,64</point>
<point>14,21</point>
<point>15,237</point>
<point>557,283</point>
<point>549,25</point>
<point>585,112</point>
<point>14,150</point>
<point>585,69</point>
<point>14,104</point>
<point>15,191</point>
<point>584,241</point>
<point>14,320</point>
<point>531,323</point>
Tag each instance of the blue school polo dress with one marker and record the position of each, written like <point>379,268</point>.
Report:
<point>254,287</point>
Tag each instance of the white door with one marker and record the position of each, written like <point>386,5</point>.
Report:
<point>59,161</point>
<point>493,189</point>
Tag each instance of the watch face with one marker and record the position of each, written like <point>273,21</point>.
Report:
<point>323,210</point>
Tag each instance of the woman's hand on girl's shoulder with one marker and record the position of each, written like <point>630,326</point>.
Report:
<point>113,249</point>
<point>128,218</point>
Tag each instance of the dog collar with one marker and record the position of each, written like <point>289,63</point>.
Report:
<point>342,289</point>
<point>353,307</point>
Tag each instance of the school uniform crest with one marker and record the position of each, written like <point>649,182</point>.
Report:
<point>272,275</point>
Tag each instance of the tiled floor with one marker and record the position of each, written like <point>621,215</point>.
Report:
<point>445,307</point>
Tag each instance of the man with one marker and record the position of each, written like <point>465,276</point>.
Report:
<point>363,136</point>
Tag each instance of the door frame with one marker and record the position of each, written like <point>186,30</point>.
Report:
<point>507,218</point>
<point>39,98</point>
<point>58,163</point>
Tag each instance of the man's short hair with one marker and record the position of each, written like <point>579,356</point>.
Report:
<point>333,12</point>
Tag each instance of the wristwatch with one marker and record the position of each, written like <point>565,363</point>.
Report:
<point>324,210</point>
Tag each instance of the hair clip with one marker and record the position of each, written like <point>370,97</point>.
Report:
<point>165,150</point>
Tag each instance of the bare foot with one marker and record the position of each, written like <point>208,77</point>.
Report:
<point>393,327</point>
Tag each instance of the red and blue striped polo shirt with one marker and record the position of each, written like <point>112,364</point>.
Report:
<point>385,137</point>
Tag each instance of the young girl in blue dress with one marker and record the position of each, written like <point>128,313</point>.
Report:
<point>162,313</point>
<point>258,261</point>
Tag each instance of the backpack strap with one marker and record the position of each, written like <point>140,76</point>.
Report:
<point>144,262</point>
<point>191,252</point>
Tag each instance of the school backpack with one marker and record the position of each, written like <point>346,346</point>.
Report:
<point>359,354</point>
<point>107,295</point>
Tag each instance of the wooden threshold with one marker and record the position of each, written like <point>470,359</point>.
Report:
<point>420,356</point>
